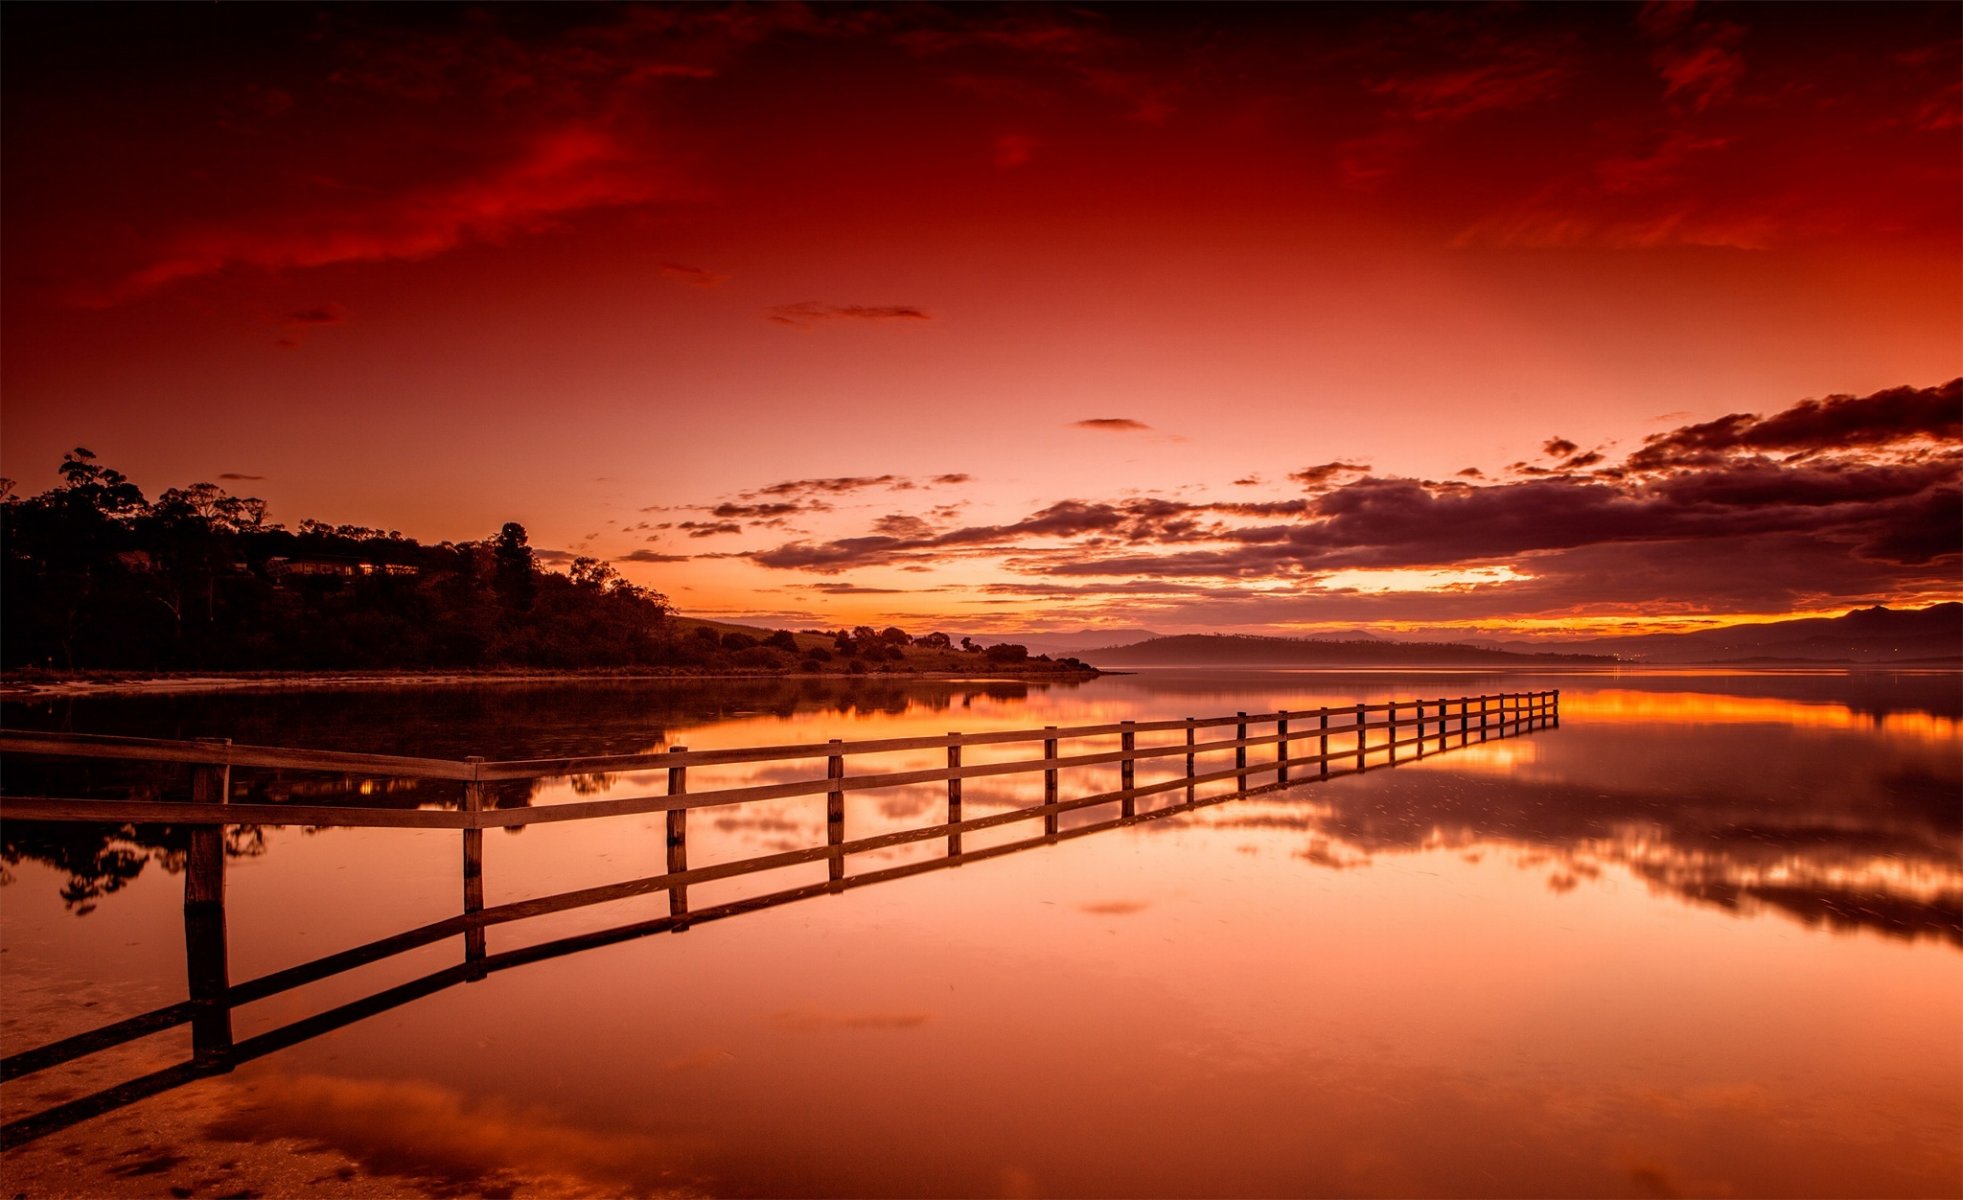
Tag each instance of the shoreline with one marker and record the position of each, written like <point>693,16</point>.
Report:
<point>46,685</point>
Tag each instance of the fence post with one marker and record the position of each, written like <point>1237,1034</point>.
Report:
<point>835,811</point>
<point>1127,743</point>
<point>677,824</point>
<point>1240,751</point>
<point>1360,740</point>
<point>1482,718</point>
<point>1390,743</point>
<point>953,794</point>
<point>1190,759</point>
<point>1441,724</point>
<point>1557,708</point>
<point>473,861</point>
<point>1049,780</point>
<point>1281,746</point>
<point>1322,734</point>
<point>207,964</point>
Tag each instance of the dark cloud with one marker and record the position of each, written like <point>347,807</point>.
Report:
<point>1558,447</point>
<point>810,312</point>
<point>237,477</point>
<point>1110,424</point>
<point>902,525</point>
<point>781,509</point>
<point>832,486</point>
<point>1812,426</point>
<point>1723,525</point>
<point>702,529</point>
<point>952,478</point>
<point>650,556</point>
<point>1323,475</point>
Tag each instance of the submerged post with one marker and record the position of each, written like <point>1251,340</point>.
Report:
<point>1322,734</point>
<point>677,822</point>
<point>1556,714</point>
<point>473,861</point>
<point>1127,744</point>
<point>1049,780</point>
<point>953,793</point>
<point>1281,746</point>
<point>206,958</point>
<point>835,811</point>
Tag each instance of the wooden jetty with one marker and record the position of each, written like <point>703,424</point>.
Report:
<point>1342,741</point>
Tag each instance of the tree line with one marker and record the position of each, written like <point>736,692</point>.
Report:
<point>94,575</point>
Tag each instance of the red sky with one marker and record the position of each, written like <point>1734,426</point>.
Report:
<point>991,319</point>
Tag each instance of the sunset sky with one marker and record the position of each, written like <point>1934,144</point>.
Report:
<point>1553,318</point>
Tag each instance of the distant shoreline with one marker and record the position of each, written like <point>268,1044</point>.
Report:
<point>48,685</point>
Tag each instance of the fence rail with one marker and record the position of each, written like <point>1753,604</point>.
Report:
<point>1345,740</point>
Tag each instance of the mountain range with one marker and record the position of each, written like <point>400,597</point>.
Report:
<point>1930,636</point>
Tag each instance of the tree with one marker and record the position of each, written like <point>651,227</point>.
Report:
<point>512,568</point>
<point>934,641</point>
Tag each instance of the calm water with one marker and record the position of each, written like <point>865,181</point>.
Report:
<point>1704,938</point>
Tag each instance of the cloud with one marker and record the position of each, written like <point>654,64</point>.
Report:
<point>702,529</point>
<point>1111,424</point>
<point>807,313</point>
<point>326,314</point>
<point>1558,447</point>
<point>841,484</point>
<point>1866,505</point>
<point>558,173</point>
<point>902,525</point>
<point>834,485</point>
<point>236,477</point>
<point>760,510</point>
<point>693,276</point>
<point>650,556</point>
<point>1813,426</point>
<point>1325,474</point>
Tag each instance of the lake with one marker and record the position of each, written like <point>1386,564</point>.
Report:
<point>1703,938</point>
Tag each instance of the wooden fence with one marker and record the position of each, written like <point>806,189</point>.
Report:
<point>1346,740</point>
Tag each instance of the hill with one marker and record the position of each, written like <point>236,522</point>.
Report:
<point>1212,649</point>
<point>1926,636</point>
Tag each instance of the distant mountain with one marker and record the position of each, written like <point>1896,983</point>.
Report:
<point>1073,643</point>
<point>1932,635</point>
<point>1213,649</point>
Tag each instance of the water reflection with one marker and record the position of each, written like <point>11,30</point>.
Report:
<point>1703,938</point>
